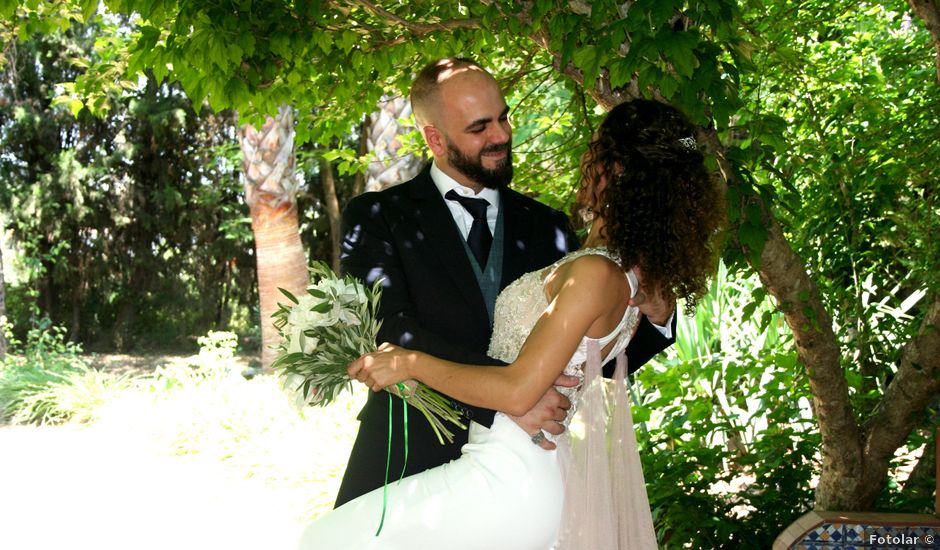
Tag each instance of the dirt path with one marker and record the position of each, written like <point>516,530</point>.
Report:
<point>143,364</point>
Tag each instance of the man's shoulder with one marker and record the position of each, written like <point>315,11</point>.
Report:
<point>388,196</point>
<point>531,206</point>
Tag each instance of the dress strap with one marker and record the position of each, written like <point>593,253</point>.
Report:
<point>634,282</point>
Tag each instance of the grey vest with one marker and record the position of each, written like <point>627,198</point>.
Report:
<point>489,277</point>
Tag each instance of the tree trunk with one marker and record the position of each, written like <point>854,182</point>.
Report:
<point>120,332</point>
<point>844,475</point>
<point>270,191</point>
<point>331,201</point>
<point>382,139</point>
<point>929,12</point>
<point>222,313</point>
<point>281,264</point>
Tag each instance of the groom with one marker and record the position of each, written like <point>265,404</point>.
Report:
<point>444,255</point>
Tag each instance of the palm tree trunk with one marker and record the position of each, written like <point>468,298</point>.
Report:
<point>270,191</point>
<point>382,140</point>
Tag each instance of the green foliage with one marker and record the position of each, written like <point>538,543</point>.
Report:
<point>552,126</point>
<point>729,445</point>
<point>217,351</point>
<point>839,133</point>
<point>129,226</point>
<point>75,397</point>
<point>333,63</point>
<point>339,60</point>
<point>35,369</point>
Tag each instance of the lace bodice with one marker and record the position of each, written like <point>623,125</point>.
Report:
<point>520,305</point>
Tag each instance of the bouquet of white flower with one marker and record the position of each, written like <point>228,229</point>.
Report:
<point>329,327</point>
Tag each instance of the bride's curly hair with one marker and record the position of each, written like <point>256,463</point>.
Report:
<point>662,210</point>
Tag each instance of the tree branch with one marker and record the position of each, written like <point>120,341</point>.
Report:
<point>929,12</point>
<point>602,93</point>
<point>418,29</point>
<point>511,81</point>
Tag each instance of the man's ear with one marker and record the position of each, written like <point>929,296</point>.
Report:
<point>435,140</point>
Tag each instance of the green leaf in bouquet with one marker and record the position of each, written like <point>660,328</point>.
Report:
<point>286,359</point>
<point>323,370</point>
<point>320,268</point>
<point>322,307</point>
<point>316,293</point>
<point>287,293</point>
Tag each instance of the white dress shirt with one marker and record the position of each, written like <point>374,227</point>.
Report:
<point>463,218</point>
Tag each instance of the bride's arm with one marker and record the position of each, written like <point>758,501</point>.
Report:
<point>585,294</point>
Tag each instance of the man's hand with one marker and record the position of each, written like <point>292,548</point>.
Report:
<point>651,302</point>
<point>547,414</point>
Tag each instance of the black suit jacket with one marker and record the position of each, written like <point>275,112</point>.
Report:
<point>431,302</point>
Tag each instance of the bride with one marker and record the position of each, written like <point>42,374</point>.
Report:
<point>656,215</point>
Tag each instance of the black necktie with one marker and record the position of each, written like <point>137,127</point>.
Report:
<point>480,237</point>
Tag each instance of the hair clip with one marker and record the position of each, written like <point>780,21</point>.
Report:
<point>688,143</point>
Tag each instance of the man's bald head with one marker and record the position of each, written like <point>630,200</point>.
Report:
<point>464,119</point>
<point>425,91</point>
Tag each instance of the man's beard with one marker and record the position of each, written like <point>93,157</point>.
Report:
<point>473,167</point>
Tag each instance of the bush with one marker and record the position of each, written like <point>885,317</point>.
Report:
<point>217,351</point>
<point>45,380</point>
<point>727,439</point>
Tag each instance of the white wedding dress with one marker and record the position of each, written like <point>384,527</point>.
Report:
<point>505,492</point>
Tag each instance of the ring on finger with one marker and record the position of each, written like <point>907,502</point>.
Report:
<point>538,437</point>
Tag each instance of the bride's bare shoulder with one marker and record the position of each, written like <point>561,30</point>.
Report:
<point>591,270</point>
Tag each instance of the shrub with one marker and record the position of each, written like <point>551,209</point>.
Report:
<point>727,439</point>
<point>31,367</point>
<point>45,380</point>
<point>217,351</point>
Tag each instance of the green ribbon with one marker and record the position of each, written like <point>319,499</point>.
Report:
<point>388,456</point>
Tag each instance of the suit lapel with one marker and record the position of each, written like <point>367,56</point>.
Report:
<point>515,236</point>
<point>441,235</point>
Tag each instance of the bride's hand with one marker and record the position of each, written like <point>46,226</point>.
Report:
<point>386,367</point>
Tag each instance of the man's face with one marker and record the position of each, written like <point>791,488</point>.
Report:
<point>475,128</point>
<point>474,168</point>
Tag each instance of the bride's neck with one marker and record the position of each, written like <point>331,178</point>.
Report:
<point>596,237</point>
